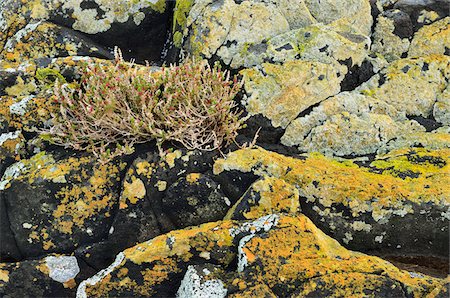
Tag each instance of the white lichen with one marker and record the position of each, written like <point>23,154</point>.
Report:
<point>62,268</point>
<point>91,281</point>
<point>19,108</point>
<point>11,173</point>
<point>194,286</point>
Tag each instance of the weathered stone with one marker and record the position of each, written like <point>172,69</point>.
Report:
<point>398,204</point>
<point>432,39</point>
<point>70,202</point>
<point>441,110</point>
<point>156,267</point>
<point>52,276</point>
<point>276,255</point>
<point>295,254</point>
<point>44,39</point>
<point>318,43</point>
<point>265,196</point>
<point>110,23</point>
<point>282,92</point>
<point>411,85</point>
<point>348,124</point>
<point>195,199</point>
<point>385,42</point>
<point>208,29</point>
<point>196,283</point>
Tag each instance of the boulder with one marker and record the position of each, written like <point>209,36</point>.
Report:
<point>398,203</point>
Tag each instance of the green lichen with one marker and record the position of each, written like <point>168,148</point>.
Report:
<point>159,6</point>
<point>182,8</point>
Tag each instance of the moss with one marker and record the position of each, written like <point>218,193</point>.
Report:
<point>48,76</point>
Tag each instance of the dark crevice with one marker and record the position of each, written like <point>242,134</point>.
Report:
<point>357,75</point>
<point>429,123</point>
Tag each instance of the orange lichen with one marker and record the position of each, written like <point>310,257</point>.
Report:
<point>266,196</point>
<point>297,251</point>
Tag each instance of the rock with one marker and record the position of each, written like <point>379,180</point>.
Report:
<point>109,23</point>
<point>388,41</point>
<point>70,201</point>
<point>209,30</point>
<point>397,204</point>
<point>195,199</point>
<point>157,266</point>
<point>52,276</point>
<point>44,39</point>
<point>197,283</point>
<point>348,124</point>
<point>319,43</point>
<point>411,85</point>
<point>282,92</point>
<point>441,110</point>
<point>277,255</point>
<point>432,39</point>
<point>266,196</point>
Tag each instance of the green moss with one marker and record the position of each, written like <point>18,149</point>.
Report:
<point>48,76</point>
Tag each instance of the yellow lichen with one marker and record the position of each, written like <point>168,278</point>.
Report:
<point>193,177</point>
<point>133,191</point>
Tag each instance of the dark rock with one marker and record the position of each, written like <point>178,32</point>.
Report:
<point>70,202</point>
<point>402,23</point>
<point>195,199</point>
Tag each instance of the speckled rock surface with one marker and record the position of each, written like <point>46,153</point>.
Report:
<point>279,253</point>
<point>346,146</point>
<point>109,23</point>
<point>209,29</point>
<point>432,39</point>
<point>282,92</point>
<point>356,204</point>
<point>54,275</point>
<point>69,202</point>
<point>349,124</point>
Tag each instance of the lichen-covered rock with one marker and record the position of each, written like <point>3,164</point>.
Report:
<point>348,124</point>
<point>411,85</point>
<point>387,40</point>
<point>432,39</point>
<point>282,92</point>
<point>69,201</point>
<point>399,203</point>
<point>52,276</point>
<point>112,23</point>
<point>209,29</point>
<point>155,267</point>
<point>320,43</point>
<point>266,196</point>
<point>160,193</point>
<point>196,283</point>
<point>441,110</point>
<point>436,139</point>
<point>277,255</point>
<point>44,39</point>
<point>296,255</point>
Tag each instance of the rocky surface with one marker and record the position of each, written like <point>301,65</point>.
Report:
<point>350,101</point>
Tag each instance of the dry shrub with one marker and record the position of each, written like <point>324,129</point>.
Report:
<point>119,106</point>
